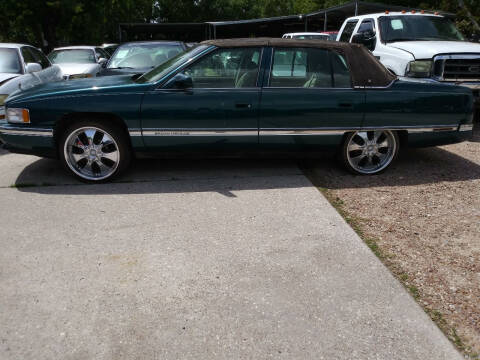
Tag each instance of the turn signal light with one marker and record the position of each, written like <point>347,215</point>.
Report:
<point>403,11</point>
<point>26,116</point>
<point>413,11</point>
<point>387,12</point>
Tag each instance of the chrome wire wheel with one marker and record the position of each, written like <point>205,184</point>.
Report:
<point>369,152</point>
<point>91,153</point>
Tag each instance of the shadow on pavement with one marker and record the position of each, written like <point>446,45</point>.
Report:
<point>153,176</point>
<point>412,167</point>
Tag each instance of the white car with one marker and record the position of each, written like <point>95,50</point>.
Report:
<point>79,62</point>
<point>307,36</point>
<point>21,67</point>
<point>417,45</point>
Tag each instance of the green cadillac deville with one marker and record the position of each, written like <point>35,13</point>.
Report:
<point>237,95</point>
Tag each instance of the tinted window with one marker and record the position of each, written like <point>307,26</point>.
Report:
<point>289,63</point>
<point>40,58</point>
<point>74,56</point>
<point>366,25</point>
<point>27,55</point>
<point>226,68</point>
<point>9,61</point>
<point>348,31</point>
<point>309,67</point>
<point>341,73</point>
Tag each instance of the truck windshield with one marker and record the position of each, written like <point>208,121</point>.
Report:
<point>418,28</point>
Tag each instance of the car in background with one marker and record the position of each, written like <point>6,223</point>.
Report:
<point>140,57</point>
<point>332,35</point>
<point>109,48</point>
<point>227,96</point>
<point>17,63</point>
<point>307,36</point>
<point>78,62</point>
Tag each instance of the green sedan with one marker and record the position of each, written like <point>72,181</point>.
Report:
<point>236,95</point>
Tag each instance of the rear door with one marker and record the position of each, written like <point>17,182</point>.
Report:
<point>309,100</point>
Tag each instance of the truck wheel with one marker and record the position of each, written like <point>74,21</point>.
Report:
<point>94,152</point>
<point>369,152</point>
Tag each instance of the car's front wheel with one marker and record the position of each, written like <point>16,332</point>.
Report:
<point>369,152</point>
<point>94,152</point>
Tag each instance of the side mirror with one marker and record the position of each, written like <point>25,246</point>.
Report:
<point>32,67</point>
<point>180,82</point>
<point>366,38</point>
<point>102,61</point>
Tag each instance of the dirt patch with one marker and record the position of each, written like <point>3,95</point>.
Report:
<point>422,217</point>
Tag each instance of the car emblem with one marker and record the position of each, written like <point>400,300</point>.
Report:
<point>474,69</point>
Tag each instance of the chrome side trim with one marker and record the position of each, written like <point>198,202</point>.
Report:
<point>26,131</point>
<point>200,132</point>
<point>465,127</point>
<point>283,132</point>
<point>274,132</point>
<point>135,132</point>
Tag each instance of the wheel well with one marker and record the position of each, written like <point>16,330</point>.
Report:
<point>68,119</point>
<point>403,137</point>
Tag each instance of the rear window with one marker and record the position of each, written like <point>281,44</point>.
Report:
<point>309,68</point>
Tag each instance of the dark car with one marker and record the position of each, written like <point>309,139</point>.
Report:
<point>140,57</point>
<point>236,95</point>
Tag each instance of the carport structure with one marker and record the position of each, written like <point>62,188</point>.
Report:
<point>329,19</point>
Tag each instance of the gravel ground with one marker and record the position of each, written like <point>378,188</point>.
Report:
<point>422,217</point>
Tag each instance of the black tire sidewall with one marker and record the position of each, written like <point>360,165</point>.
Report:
<point>352,170</point>
<point>118,135</point>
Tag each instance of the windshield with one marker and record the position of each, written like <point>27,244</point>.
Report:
<point>72,56</point>
<point>137,56</point>
<point>9,61</point>
<point>412,27</point>
<point>163,69</point>
<point>311,37</point>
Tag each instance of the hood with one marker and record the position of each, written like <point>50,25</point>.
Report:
<point>428,49</point>
<point>72,69</point>
<point>7,76</point>
<point>69,87</point>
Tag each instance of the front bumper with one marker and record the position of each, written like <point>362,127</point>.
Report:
<point>28,140</point>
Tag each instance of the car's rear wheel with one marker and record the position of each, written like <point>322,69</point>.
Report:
<point>370,152</point>
<point>94,152</point>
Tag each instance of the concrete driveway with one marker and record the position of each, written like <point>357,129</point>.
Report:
<point>210,259</point>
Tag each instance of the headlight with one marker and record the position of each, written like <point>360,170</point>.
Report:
<point>2,99</point>
<point>18,116</point>
<point>419,68</point>
<point>79,76</point>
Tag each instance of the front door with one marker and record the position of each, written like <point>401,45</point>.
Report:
<point>220,111</point>
<point>309,100</point>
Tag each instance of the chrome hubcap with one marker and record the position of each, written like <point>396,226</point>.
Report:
<point>369,152</point>
<point>92,153</point>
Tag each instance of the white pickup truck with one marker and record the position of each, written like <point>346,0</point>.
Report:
<point>417,45</point>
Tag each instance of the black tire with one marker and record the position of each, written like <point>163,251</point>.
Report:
<point>369,152</point>
<point>103,148</point>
